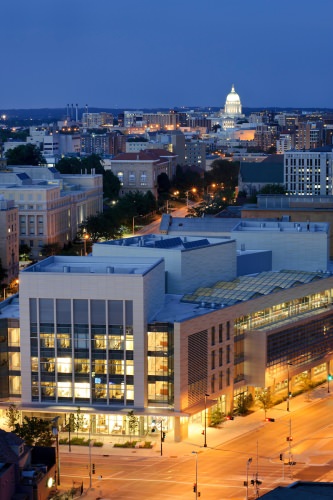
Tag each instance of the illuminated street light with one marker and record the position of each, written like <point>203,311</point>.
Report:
<point>195,486</point>
<point>193,190</point>
<point>133,223</point>
<point>288,396</point>
<point>205,443</point>
<point>248,463</point>
<point>85,238</point>
<point>55,432</point>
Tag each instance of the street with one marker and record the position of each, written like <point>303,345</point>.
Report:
<point>222,469</point>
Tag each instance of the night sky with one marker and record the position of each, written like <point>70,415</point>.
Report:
<point>166,53</point>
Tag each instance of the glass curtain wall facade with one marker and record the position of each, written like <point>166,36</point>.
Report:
<point>160,365</point>
<point>82,351</point>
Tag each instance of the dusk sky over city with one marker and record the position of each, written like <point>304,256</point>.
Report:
<point>148,53</point>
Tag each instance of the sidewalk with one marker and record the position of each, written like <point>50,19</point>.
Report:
<point>229,430</point>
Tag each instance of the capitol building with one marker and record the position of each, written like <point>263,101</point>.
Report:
<point>228,116</point>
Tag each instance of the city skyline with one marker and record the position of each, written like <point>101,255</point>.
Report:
<point>143,55</point>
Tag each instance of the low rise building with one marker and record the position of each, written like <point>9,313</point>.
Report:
<point>139,171</point>
<point>294,245</point>
<point>9,238</point>
<point>51,206</point>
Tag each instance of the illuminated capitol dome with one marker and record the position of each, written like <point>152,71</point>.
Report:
<point>233,106</point>
<point>228,116</point>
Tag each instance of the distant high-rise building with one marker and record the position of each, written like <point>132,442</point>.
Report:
<point>309,135</point>
<point>309,172</point>
<point>96,120</point>
<point>195,153</point>
<point>265,136</point>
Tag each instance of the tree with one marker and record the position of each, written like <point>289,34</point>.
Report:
<point>265,400</point>
<point>163,182</point>
<point>216,417</point>
<point>216,127</point>
<point>102,226</point>
<point>35,431</point>
<point>272,189</point>
<point>70,165</point>
<point>50,249</point>
<point>133,423</point>
<point>12,416</point>
<point>24,252</point>
<point>27,154</point>
<point>224,173</point>
<point>134,204</point>
<point>244,403</point>
<point>78,421</point>
<point>111,185</point>
<point>306,384</point>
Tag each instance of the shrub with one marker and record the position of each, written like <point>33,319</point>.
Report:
<point>147,444</point>
<point>216,418</point>
<point>127,444</point>
<point>98,444</point>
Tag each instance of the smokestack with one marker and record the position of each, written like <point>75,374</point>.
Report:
<point>77,113</point>
<point>72,112</point>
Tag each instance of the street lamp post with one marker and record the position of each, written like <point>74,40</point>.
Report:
<point>248,463</point>
<point>55,432</point>
<point>193,190</point>
<point>205,443</point>
<point>85,238</point>
<point>133,223</point>
<point>90,478</point>
<point>288,364</point>
<point>196,474</point>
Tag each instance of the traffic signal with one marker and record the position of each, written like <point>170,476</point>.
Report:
<point>93,468</point>
<point>281,456</point>
<point>270,419</point>
<point>289,438</point>
<point>194,487</point>
<point>163,437</point>
<point>329,376</point>
<point>252,481</point>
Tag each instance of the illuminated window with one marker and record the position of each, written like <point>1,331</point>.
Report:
<point>64,389</point>
<point>82,390</point>
<point>64,365</point>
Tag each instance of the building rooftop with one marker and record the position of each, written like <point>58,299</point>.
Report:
<point>178,308</point>
<point>166,242</point>
<point>9,308</point>
<point>94,265</point>
<point>301,490</point>
<point>199,225</point>
<point>210,225</point>
<point>280,226</point>
<point>228,293</point>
